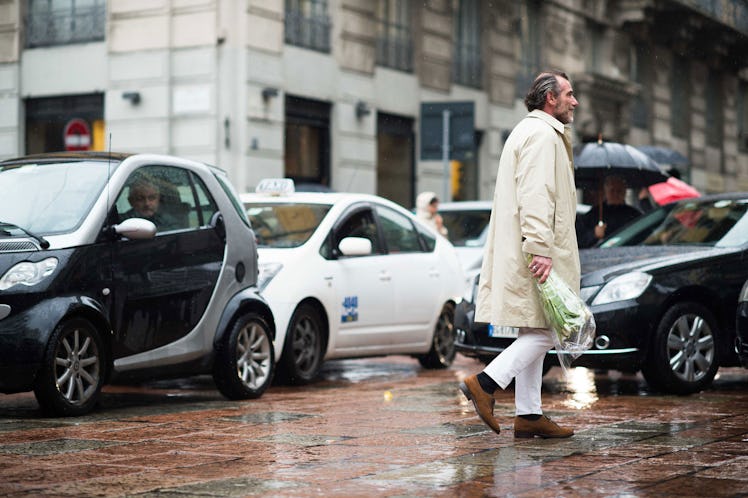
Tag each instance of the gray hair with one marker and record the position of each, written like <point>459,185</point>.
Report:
<point>544,82</point>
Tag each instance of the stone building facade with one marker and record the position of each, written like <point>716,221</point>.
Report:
<point>332,91</point>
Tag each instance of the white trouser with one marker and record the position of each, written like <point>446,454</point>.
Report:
<point>523,362</point>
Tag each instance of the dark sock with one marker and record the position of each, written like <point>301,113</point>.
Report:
<point>531,417</point>
<point>487,383</point>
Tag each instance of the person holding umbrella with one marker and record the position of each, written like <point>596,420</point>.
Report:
<point>531,231</point>
<point>610,215</point>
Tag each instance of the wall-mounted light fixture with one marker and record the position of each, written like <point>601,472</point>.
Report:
<point>268,92</point>
<point>133,97</point>
<point>362,109</point>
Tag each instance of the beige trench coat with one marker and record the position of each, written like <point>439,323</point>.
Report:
<point>534,209</point>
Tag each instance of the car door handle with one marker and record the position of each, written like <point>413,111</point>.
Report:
<point>433,272</point>
<point>385,276</point>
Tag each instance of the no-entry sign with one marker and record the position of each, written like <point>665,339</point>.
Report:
<point>77,135</point>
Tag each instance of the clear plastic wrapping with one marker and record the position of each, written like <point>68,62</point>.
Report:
<point>568,317</point>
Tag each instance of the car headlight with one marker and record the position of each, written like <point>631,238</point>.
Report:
<point>267,272</point>
<point>28,273</point>
<point>628,286</point>
<point>471,289</point>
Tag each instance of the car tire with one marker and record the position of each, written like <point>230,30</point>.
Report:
<point>302,352</point>
<point>72,372</point>
<point>244,363</point>
<point>443,351</point>
<point>683,356</point>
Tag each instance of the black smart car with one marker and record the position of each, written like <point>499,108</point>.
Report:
<point>664,292</point>
<point>116,266</point>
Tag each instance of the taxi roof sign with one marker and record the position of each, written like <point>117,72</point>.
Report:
<point>275,186</point>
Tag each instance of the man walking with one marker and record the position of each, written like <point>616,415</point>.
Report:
<point>531,231</point>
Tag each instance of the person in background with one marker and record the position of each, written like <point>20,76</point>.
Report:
<point>427,210</point>
<point>531,231</point>
<point>599,222</point>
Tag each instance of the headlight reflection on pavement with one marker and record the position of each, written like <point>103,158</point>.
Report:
<point>580,382</point>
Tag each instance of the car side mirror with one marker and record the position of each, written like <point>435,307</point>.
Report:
<point>135,229</point>
<point>355,246</point>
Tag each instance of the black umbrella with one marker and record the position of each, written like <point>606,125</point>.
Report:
<point>663,155</point>
<point>594,161</point>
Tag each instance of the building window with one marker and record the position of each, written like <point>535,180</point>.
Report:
<point>743,116</point>
<point>529,37</point>
<point>62,22</point>
<point>394,40</point>
<point>679,97</point>
<point>466,62</point>
<point>308,24</point>
<point>713,115</point>
<point>307,142</point>
<point>641,73</point>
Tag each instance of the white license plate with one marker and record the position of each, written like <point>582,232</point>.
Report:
<point>510,332</point>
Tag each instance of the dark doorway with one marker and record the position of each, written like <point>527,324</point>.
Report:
<point>395,159</point>
<point>307,142</point>
<point>47,117</point>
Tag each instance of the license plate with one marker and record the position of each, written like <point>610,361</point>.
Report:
<point>510,332</point>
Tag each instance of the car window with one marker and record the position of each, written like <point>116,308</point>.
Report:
<point>50,198</point>
<point>360,223</point>
<point>721,223</point>
<point>233,197</point>
<point>206,207</point>
<point>466,228</point>
<point>427,238</point>
<point>161,194</point>
<point>285,225</point>
<point>399,233</point>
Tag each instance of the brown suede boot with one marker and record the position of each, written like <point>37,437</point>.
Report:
<point>482,401</point>
<point>542,427</point>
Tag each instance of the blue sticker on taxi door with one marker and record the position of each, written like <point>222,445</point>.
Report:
<point>350,309</point>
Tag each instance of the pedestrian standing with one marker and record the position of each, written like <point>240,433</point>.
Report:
<point>602,220</point>
<point>531,231</point>
<point>427,210</point>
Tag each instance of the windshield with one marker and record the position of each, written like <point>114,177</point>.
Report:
<point>466,228</point>
<point>718,223</point>
<point>285,225</point>
<point>50,198</point>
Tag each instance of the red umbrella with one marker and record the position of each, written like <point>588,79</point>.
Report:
<point>672,190</point>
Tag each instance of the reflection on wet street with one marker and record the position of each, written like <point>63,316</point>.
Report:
<point>381,427</point>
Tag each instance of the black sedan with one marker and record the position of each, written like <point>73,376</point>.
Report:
<point>664,292</point>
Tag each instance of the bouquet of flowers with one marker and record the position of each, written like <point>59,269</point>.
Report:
<point>569,318</point>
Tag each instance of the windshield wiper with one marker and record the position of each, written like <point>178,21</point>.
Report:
<point>44,243</point>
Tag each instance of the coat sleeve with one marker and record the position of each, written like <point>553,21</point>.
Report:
<point>535,178</point>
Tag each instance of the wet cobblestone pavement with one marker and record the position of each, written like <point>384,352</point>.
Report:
<point>381,427</point>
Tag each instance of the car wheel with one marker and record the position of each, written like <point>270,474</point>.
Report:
<point>683,356</point>
<point>302,352</point>
<point>244,360</point>
<point>442,352</point>
<point>70,378</point>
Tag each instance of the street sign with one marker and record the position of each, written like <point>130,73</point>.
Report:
<point>459,124</point>
<point>77,135</point>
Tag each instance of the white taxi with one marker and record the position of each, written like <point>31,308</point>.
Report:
<point>351,275</point>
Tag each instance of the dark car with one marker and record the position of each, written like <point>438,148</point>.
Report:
<point>741,327</point>
<point>116,266</point>
<point>666,304</point>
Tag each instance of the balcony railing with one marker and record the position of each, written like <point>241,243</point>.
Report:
<point>395,48</point>
<point>466,67</point>
<point>308,32</point>
<point>65,26</point>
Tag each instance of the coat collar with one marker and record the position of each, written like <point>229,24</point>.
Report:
<point>564,131</point>
<point>555,123</point>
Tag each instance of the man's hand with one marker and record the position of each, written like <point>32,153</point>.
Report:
<point>540,267</point>
<point>600,229</point>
